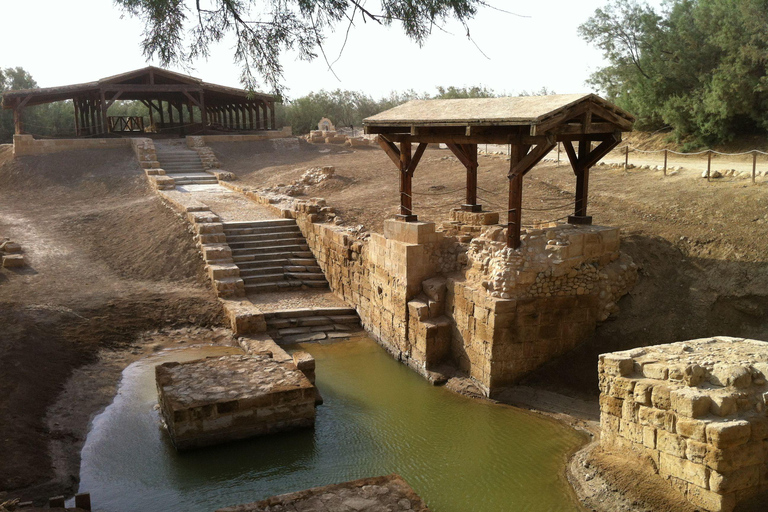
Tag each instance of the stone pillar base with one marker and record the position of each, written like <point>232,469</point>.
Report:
<point>409,232</point>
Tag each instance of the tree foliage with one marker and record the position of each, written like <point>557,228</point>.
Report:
<point>177,31</point>
<point>698,66</point>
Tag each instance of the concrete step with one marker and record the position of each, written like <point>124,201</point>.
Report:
<point>282,252</point>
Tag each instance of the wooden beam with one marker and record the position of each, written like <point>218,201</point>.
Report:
<point>531,159</point>
<point>406,184</point>
<point>150,88</point>
<point>416,157</point>
<point>458,150</point>
<point>192,98</point>
<point>114,99</point>
<point>601,150</point>
<point>560,118</point>
<point>390,149</point>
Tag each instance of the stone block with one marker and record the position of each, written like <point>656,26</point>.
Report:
<point>13,260</point>
<point>671,444</point>
<point>642,392</point>
<point>613,364</point>
<point>408,232</point>
<point>724,434</point>
<point>10,247</point>
<point>611,405</point>
<point>670,465</point>
<point>692,429</point>
<point>730,459</point>
<point>710,501</point>
<point>690,402</point>
<point>732,481</point>
<point>660,397</point>
<point>257,396</point>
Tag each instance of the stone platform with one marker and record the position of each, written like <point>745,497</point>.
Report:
<point>220,399</point>
<point>387,493</point>
<point>698,409</point>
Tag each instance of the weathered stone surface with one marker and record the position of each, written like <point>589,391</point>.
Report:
<point>390,493</point>
<point>702,409</point>
<point>221,399</point>
<point>13,260</point>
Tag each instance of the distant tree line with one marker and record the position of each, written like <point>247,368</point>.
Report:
<point>697,66</point>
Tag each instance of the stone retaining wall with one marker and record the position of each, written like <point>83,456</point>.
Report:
<point>27,145</point>
<point>497,314</point>
<point>697,409</point>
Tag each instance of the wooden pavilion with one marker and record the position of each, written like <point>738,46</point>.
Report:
<point>209,107</point>
<point>531,125</point>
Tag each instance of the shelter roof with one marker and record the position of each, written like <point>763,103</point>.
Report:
<point>149,82</point>
<point>535,111</point>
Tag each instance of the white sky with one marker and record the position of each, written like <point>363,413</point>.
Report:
<point>66,42</point>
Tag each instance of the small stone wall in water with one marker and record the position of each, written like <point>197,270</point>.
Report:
<point>698,410</point>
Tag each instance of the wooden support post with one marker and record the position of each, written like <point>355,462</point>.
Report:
<point>558,155</point>
<point>754,166</point>
<point>103,105</point>
<point>406,184</point>
<point>77,115</point>
<point>264,125</point>
<point>515,211</point>
<point>471,206</point>
<point>18,127</point>
<point>709,165</point>
<point>272,116</point>
<point>203,112</point>
<point>582,182</point>
<point>665,161</point>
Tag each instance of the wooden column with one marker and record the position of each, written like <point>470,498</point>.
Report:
<point>250,116</point>
<point>515,211</point>
<point>203,112</point>
<point>103,108</point>
<point>582,186</point>
<point>406,189</point>
<point>18,126</point>
<point>272,116</point>
<point>471,204</point>
<point>264,125</point>
<point>77,117</point>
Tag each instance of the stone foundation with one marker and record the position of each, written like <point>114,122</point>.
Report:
<point>697,409</point>
<point>27,145</point>
<point>220,399</point>
<point>386,493</point>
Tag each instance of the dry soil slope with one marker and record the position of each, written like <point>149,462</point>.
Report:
<point>106,261</point>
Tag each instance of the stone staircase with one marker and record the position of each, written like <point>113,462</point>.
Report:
<point>183,165</point>
<point>273,255</point>
<point>312,324</point>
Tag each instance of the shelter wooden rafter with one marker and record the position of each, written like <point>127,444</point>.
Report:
<point>165,93</point>
<point>530,125</point>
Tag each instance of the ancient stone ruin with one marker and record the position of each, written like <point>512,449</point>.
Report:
<point>391,493</point>
<point>698,410</point>
<point>214,400</point>
<point>11,254</point>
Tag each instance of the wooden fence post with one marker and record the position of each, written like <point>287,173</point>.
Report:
<point>709,165</point>
<point>626,157</point>
<point>754,166</point>
<point>665,162</point>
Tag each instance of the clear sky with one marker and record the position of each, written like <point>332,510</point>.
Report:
<point>65,42</point>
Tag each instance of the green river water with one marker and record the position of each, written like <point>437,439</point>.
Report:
<point>379,417</point>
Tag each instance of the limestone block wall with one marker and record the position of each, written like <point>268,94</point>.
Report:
<point>263,135</point>
<point>514,310</point>
<point>27,145</point>
<point>698,410</point>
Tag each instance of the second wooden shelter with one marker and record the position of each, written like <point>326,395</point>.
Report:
<point>530,125</point>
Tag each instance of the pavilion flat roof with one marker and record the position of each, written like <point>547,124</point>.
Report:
<point>507,111</point>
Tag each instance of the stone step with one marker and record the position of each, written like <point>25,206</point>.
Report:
<point>274,286</point>
<point>271,242</point>
<point>281,232</point>
<point>257,224</point>
<point>244,240</point>
<point>341,311</point>
<point>268,270</point>
<point>182,168</point>
<point>291,244</point>
<point>262,231</point>
<point>190,175</point>
<point>287,276</point>
<point>255,256</point>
